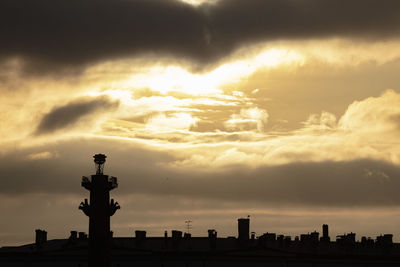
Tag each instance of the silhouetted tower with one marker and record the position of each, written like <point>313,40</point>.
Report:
<point>99,211</point>
<point>244,228</point>
<point>325,234</point>
<point>325,230</point>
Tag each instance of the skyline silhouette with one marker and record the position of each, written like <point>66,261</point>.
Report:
<point>101,248</point>
<point>208,111</point>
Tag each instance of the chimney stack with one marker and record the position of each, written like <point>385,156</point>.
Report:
<point>74,235</point>
<point>212,239</point>
<point>41,237</point>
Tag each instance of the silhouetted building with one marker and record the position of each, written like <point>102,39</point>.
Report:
<point>267,240</point>
<point>346,240</point>
<point>325,234</point>
<point>279,240</point>
<point>269,237</point>
<point>268,249</point>
<point>314,237</point>
<point>325,230</point>
<point>304,238</point>
<point>244,228</point>
<point>287,240</point>
<point>99,211</point>
<point>384,241</point>
<point>367,242</point>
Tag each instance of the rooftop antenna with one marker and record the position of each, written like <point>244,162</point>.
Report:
<point>99,160</point>
<point>188,225</point>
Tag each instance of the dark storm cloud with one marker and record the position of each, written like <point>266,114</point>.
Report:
<point>71,113</point>
<point>74,33</point>
<point>143,172</point>
<point>358,182</point>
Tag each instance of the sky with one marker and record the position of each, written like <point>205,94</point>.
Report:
<point>287,111</point>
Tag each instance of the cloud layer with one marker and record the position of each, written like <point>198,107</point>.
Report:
<point>149,172</point>
<point>75,33</point>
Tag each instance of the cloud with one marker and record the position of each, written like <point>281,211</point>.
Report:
<point>69,114</point>
<point>248,119</point>
<point>199,2</point>
<point>147,171</point>
<point>73,34</point>
<point>325,120</point>
<point>348,163</point>
<point>219,137</point>
<point>290,198</point>
<point>41,155</point>
<point>175,121</point>
<point>367,129</point>
<point>373,114</point>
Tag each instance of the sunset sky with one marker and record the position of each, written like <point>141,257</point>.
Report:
<point>288,111</point>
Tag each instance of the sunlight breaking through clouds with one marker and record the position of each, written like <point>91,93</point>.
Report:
<point>199,2</point>
<point>171,107</point>
<point>177,79</point>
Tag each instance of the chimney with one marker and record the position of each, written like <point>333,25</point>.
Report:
<point>212,233</point>
<point>166,239</point>
<point>140,235</point>
<point>176,235</point>
<point>212,239</point>
<point>176,238</point>
<point>41,237</point>
<point>73,236</point>
<point>82,236</point>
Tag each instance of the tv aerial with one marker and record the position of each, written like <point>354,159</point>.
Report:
<point>188,225</point>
